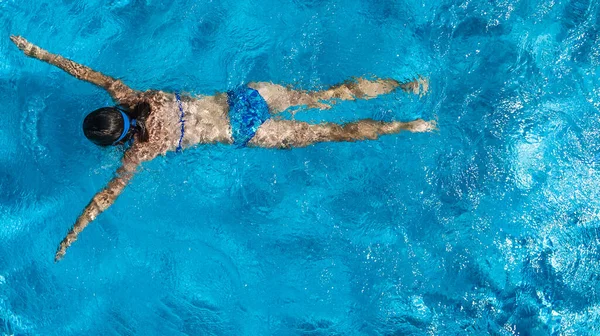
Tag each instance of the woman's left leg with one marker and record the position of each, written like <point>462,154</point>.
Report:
<point>289,133</point>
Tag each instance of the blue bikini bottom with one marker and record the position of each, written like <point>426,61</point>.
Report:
<point>247,111</point>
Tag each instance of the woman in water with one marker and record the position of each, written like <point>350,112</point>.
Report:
<point>155,122</point>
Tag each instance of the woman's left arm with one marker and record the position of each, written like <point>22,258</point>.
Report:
<point>103,199</point>
<point>116,88</point>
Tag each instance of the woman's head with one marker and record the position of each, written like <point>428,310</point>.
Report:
<point>116,125</point>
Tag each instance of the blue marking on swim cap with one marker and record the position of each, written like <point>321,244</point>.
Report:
<point>126,124</point>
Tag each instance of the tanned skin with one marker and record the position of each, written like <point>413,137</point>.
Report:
<point>207,121</point>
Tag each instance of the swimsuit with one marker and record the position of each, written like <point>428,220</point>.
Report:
<point>247,111</point>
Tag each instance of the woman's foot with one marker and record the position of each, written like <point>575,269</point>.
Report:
<point>418,86</point>
<point>420,126</point>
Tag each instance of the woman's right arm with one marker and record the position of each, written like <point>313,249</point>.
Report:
<point>116,88</point>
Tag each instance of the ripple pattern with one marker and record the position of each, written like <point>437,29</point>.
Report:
<point>489,227</point>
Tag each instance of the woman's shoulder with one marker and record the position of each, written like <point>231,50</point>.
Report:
<point>156,97</point>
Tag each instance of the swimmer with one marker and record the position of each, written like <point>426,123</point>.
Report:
<point>151,123</point>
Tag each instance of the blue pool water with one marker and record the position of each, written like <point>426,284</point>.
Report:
<point>489,227</point>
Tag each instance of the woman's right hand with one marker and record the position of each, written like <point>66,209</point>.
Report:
<point>23,44</point>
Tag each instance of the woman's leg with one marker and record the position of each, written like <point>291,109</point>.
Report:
<point>288,133</point>
<point>280,98</point>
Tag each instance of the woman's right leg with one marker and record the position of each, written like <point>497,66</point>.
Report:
<point>361,88</point>
<point>289,133</point>
<point>280,98</point>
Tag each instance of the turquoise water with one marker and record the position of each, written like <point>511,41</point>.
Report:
<point>489,227</point>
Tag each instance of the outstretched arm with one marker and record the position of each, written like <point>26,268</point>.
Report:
<point>102,200</point>
<point>116,88</point>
